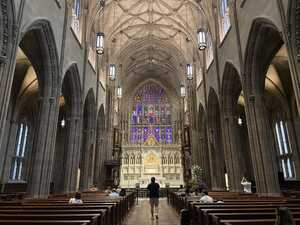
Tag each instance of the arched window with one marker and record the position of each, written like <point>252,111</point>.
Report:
<point>285,151</point>
<point>18,161</point>
<point>209,52</point>
<point>151,115</point>
<point>224,18</point>
<point>76,16</point>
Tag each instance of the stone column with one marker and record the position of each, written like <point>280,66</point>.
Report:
<point>72,154</point>
<point>216,161</point>
<point>204,159</point>
<point>85,160</point>
<point>9,143</point>
<point>232,153</point>
<point>43,149</point>
<point>262,147</point>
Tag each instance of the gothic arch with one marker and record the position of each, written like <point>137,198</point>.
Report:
<point>88,141</point>
<point>68,130</point>
<point>203,153</point>
<point>38,48</point>
<point>263,35</point>
<point>217,162</point>
<point>100,154</point>
<point>238,159</point>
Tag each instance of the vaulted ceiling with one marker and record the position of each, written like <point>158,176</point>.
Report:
<point>151,39</point>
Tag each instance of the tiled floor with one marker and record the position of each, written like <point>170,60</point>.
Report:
<point>140,214</point>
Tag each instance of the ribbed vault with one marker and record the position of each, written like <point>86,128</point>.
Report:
<point>150,39</point>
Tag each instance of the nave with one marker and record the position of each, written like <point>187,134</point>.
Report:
<point>140,214</point>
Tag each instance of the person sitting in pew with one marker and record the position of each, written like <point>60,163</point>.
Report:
<point>114,193</point>
<point>108,190</point>
<point>206,198</point>
<point>77,199</point>
<point>181,190</point>
<point>122,193</point>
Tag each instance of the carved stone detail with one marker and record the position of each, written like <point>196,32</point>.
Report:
<point>4,38</point>
<point>297,28</point>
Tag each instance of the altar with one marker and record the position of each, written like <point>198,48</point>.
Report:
<point>141,162</point>
<point>151,145</point>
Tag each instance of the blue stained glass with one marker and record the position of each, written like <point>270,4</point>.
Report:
<point>151,107</point>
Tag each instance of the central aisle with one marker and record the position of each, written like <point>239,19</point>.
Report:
<point>140,214</point>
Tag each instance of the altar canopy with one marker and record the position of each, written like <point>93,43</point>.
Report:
<point>152,150</point>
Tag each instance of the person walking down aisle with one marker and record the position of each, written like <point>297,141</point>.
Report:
<point>153,189</point>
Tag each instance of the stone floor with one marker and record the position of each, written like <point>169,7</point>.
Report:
<point>140,214</point>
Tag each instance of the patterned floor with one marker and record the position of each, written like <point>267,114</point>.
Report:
<point>140,214</point>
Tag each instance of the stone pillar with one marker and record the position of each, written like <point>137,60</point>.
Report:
<point>85,160</point>
<point>43,149</point>
<point>232,153</point>
<point>262,147</point>
<point>9,143</point>
<point>204,159</point>
<point>216,161</point>
<point>99,163</point>
<point>72,154</point>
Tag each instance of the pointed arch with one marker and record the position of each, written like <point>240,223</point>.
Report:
<point>100,155</point>
<point>67,142</point>
<point>263,35</point>
<point>217,162</point>
<point>88,141</point>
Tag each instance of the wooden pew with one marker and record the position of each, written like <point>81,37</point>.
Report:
<point>235,207</point>
<point>97,209</point>
<point>44,222</point>
<point>253,222</point>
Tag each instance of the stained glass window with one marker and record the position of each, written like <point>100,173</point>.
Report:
<point>151,115</point>
<point>224,20</point>
<point>285,150</point>
<point>18,161</point>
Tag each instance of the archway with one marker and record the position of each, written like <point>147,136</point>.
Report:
<point>100,156</point>
<point>203,153</point>
<point>236,143</point>
<point>32,108</point>
<point>270,100</point>
<point>216,151</point>
<point>86,164</point>
<point>67,146</point>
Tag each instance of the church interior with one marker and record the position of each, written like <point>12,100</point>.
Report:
<point>99,96</point>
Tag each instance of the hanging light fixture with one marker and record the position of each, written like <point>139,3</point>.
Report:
<point>201,39</point>
<point>189,70</point>
<point>182,91</point>
<point>112,72</point>
<point>119,92</point>
<point>63,123</point>
<point>100,43</point>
